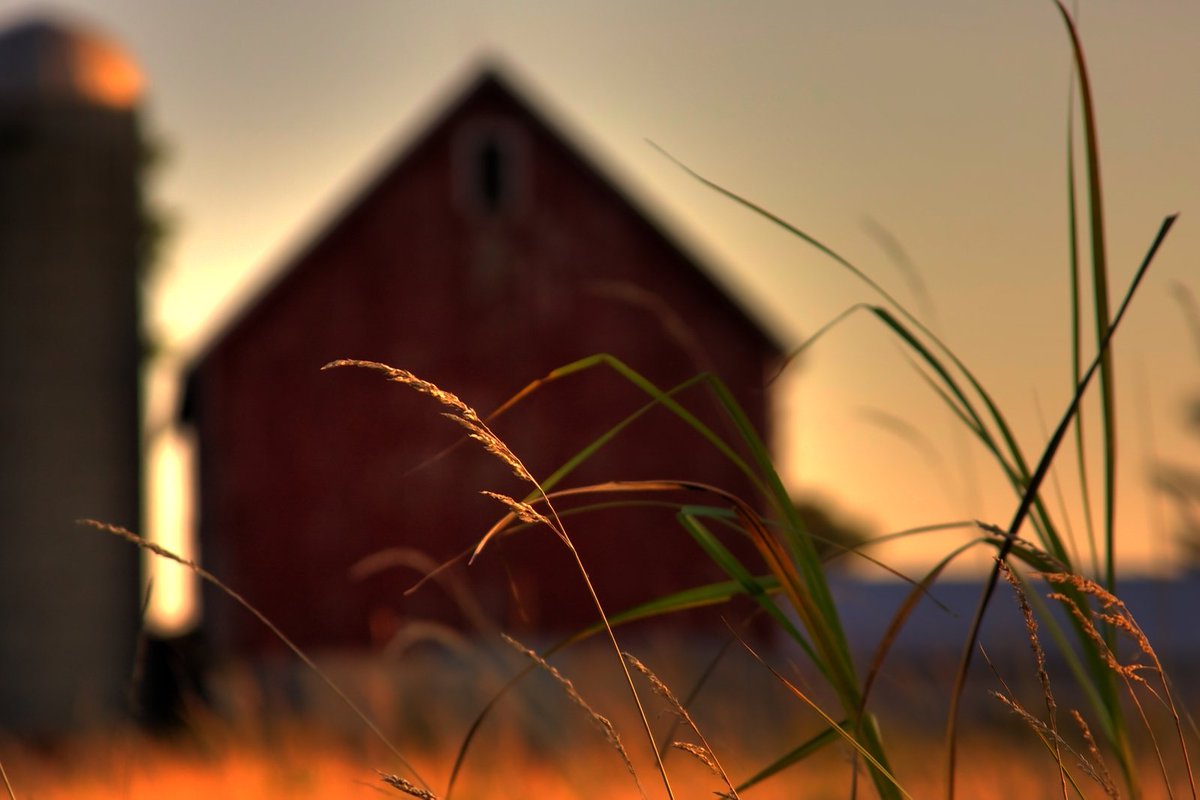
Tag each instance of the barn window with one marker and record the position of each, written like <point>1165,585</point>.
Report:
<point>490,175</point>
<point>489,169</point>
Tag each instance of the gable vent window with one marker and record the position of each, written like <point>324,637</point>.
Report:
<point>489,169</point>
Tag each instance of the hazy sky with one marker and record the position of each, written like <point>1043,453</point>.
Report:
<point>942,122</point>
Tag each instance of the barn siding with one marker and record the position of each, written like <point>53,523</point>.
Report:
<point>303,473</point>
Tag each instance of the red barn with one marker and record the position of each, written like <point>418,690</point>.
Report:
<point>488,253</point>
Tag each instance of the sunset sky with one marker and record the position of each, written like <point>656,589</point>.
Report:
<point>937,124</point>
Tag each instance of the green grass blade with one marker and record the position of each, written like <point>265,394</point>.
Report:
<point>1015,470</point>
<point>765,477</point>
<point>792,229</point>
<point>795,755</point>
<point>993,410</point>
<point>749,584</point>
<point>809,593</point>
<point>1027,501</point>
<point>1077,330</point>
<point>885,782</point>
<point>919,591</point>
<point>934,363</point>
<point>657,397</point>
<point>797,537</point>
<point>816,336</point>
<point>854,270</point>
<point>1099,293</point>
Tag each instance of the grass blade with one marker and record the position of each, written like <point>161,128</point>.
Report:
<point>841,731</point>
<point>1027,501</point>
<point>208,577</point>
<point>747,582</point>
<point>919,590</point>
<point>795,755</point>
<point>1099,292</point>
<point>7,786</point>
<point>1077,328</point>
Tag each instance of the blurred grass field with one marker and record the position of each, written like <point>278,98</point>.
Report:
<point>301,762</point>
<point>273,731</point>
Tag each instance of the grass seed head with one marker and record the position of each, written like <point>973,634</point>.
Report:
<point>396,782</point>
<point>699,753</point>
<point>1035,644</point>
<point>1095,768</point>
<point>661,689</point>
<point>1113,612</point>
<point>524,511</point>
<point>599,720</point>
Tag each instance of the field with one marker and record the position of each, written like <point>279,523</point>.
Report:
<point>538,744</point>
<point>297,765</point>
<point>276,731</point>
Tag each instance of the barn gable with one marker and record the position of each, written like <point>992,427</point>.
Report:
<point>485,255</point>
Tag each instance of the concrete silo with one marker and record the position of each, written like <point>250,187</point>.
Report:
<point>70,354</point>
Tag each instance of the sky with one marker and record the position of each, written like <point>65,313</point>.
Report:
<point>934,126</point>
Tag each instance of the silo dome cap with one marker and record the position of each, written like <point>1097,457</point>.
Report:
<point>45,59</point>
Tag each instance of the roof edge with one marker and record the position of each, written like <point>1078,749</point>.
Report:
<point>485,69</point>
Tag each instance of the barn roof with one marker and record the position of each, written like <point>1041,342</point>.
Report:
<point>490,78</point>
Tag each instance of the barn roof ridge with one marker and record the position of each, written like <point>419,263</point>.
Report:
<point>489,70</point>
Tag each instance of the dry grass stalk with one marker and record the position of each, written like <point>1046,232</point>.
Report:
<point>203,574</point>
<point>1039,657</point>
<point>418,560</point>
<point>7,786</point>
<point>397,782</point>
<point>599,720</point>
<point>704,751</point>
<point>1035,645</point>
<point>1039,726</point>
<point>1054,741</point>
<point>460,412</point>
<point>480,432</point>
<point>846,735</point>
<point>477,429</point>
<point>1103,777</point>
<point>701,754</point>
<point>1114,612</point>
<point>524,511</point>
<point>1127,671</point>
<point>408,379</point>
<point>662,690</point>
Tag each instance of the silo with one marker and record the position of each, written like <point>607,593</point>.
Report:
<point>69,351</point>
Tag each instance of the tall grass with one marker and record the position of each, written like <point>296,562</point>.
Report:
<point>788,580</point>
<point>971,403</point>
<point>794,592</point>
